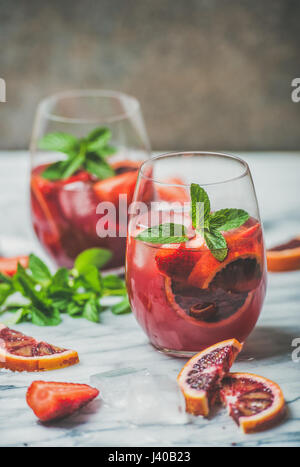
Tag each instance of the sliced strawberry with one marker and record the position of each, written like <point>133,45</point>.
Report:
<point>110,188</point>
<point>172,193</point>
<point>9,266</point>
<point>51,401</point>
<point>177,263</point>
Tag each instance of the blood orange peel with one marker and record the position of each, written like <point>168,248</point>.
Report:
<point>200,377</point>
<point>19,352</point>
<point>9,266</point>
<point>285,257</point>
<point>255,403</point>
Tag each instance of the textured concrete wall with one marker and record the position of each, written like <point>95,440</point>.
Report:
<point>210,74</point>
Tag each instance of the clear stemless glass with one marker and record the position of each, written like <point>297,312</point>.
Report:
<point>204,282</point>
<point>86,149</point>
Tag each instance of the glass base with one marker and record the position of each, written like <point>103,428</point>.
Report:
<point>176,353</point>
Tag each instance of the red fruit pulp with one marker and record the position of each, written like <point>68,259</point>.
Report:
<point>64,212</point>
<point>186,300</point>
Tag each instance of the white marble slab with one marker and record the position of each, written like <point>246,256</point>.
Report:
<point>119,342</point>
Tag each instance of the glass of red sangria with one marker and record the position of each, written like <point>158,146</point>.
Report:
<point>195,262</point>
<point>86,149</point>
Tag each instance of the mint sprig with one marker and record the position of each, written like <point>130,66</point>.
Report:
<point>77,292</point>
<point>88,153</point>
<point>207,223</point>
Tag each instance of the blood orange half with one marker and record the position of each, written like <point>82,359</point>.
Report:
<point>200,377</point>
<point>19,352</point>
<point>285,257</point>
<point>217,291</point>
<point>255,403</point>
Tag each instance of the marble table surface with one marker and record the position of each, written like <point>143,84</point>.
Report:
<point>119,342</point>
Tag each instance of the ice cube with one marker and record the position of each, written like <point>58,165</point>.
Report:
<point>142,397</point>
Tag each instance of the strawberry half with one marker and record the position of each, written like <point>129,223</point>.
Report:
<point>9,266</point>
<point>52,401</point>
<point>177,263</point>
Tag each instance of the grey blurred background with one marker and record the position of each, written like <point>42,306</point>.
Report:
<point>210,74</point>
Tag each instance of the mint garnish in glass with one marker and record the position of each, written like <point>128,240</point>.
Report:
<point>210,224</point>
<point>88,153</point>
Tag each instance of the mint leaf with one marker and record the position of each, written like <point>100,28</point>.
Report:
<point>96,165</point>
<point>19,316</point>
<point>199,195</point>
<point>227,219</point>
<point>98,138</point>
<point>60,279</point>
<point>106,151</point>
<point>91,310</point>
<point>62,142</point>
<point>121,307</point>
<point>94,256</point>
<point>91,278</point>
<point>41,319</point>
<point>216,243</point>
<point>5,291</point>
<point>54,171</point>
<point>164,233</point>
<point>39,270</point>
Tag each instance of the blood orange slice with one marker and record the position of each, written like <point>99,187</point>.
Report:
<point>217,291</point>
<point>255,403</point>
<point>200,377</point>
<point>9,266</point>
<point>285,257</point>
<point>19,352</point>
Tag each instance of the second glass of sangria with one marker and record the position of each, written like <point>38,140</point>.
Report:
<point>195,265</point>
<point>86,149</point>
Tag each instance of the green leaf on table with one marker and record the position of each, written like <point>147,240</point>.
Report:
<point>227,219</point>
<point>164,233</point>
<point>91,310</point>
<point>5,291</point>
<point>91,278</point>
<point>39,270</point>
<point>41,319</point>
<point>93,256</point>
<point>62,142</point>
<point>121,307</point>
<point>216,243</point>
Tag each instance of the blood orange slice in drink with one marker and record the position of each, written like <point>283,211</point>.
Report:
<point>199,379</point>
<point>255,403</point>
<point>285,257</point>
<point>215,291</point>
<point>19,352</point>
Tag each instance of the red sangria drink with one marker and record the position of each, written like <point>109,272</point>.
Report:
<point>79,171</point>
<point>195,269</point>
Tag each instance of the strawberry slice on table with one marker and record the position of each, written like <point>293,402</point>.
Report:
<point>9,266</point>
<point>53,401</point>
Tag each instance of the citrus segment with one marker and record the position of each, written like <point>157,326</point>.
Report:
<point>52,401</point>
<point>19,352</point>
<point>9,266</point>
<point>255,403</point>
<point>199,379</point>
<point>285,257</point>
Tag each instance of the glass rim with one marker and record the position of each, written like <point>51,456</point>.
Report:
<point>92,93</point>
<point>170,155</point>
